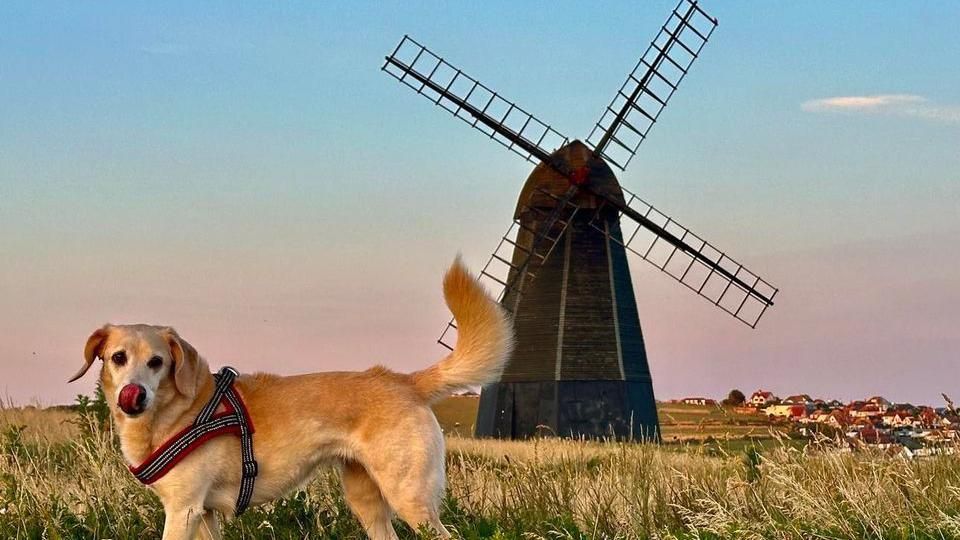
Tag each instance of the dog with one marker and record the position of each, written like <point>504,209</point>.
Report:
<point>376,426</point>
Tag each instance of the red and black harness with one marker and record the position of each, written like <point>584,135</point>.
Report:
<point>233,420</point>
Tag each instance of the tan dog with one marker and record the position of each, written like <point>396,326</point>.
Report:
<point>376,425</point>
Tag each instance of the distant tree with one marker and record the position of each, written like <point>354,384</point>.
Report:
<point>735,398</point>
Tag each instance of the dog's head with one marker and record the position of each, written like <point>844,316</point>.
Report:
<point>144,367</point>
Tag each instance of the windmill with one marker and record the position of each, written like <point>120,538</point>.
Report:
<point>580,366</point>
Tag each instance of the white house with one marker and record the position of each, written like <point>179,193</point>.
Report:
<point>762,398</point>
<point>698,401</point>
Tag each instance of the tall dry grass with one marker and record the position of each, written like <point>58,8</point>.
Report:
<point>61,477</point>
<point>641,491</point>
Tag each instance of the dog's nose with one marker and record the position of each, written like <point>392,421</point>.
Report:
<point>133,399</point>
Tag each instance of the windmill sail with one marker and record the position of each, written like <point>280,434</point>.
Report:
<point>694,262</point>
<point>505,271</point>
<point>469,100</point>
<point>637,106</point>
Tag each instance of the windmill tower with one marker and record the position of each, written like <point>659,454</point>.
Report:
<point>580,366</point>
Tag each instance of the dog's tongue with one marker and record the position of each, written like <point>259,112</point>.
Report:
<point>128,397</point>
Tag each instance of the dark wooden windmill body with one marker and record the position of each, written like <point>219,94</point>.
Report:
<point>580,365</point>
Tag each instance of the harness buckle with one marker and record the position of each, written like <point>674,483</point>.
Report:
<point>250,469</point>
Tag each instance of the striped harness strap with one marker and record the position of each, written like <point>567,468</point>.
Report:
<point>209,424</point>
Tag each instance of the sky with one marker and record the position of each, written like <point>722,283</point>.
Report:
<point>248,175</point>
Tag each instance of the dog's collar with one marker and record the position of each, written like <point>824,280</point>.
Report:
<point>233,420</point>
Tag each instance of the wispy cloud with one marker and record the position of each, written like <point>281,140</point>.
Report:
<point>907,105</point>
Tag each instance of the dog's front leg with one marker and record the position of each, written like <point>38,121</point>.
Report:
<point>209,529</point>
<point>182,523</point>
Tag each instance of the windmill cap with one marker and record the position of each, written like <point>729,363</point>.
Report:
<point>600,179</point>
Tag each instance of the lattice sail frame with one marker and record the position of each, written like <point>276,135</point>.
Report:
<point>496,274</point>
<point>626,122</point>
<point>695,263</point>
<point>469,100</point>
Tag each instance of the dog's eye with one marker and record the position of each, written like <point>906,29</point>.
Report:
<point>119,358</point>
<point>155,362</point>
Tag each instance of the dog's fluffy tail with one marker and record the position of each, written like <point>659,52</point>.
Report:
<point>484,339</point>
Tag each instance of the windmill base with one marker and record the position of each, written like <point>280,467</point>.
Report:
<point>624,410</point>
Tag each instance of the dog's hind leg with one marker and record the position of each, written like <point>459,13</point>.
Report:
<point>422,513</point>
<point>421,510</point>
<point>412,478</point>
<point>367,502</point>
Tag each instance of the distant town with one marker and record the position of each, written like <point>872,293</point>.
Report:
<point>914,430</point>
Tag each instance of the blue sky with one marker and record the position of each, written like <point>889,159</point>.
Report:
<point>247,174</point>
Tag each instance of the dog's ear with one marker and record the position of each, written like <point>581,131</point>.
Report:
<point>186,363</point>
<point>93,350</point>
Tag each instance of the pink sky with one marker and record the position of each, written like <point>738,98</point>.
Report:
<point>849,323</point>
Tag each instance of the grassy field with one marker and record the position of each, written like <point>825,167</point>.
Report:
<point>679,422</point>
<point>61,477</point>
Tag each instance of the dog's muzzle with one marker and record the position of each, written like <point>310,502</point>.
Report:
<point>133,399</point>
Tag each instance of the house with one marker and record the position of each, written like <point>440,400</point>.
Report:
<point>816,417</point>
<point>871,435</point>
<point>801,399</point>
<point>698,401</point>
<point>897,419</point>
<point>880,402</point>
<point>762,398</point>
<point>838,418</point>
<point>793,412</point>
<point>928,417</point>
<point>867,410</point>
